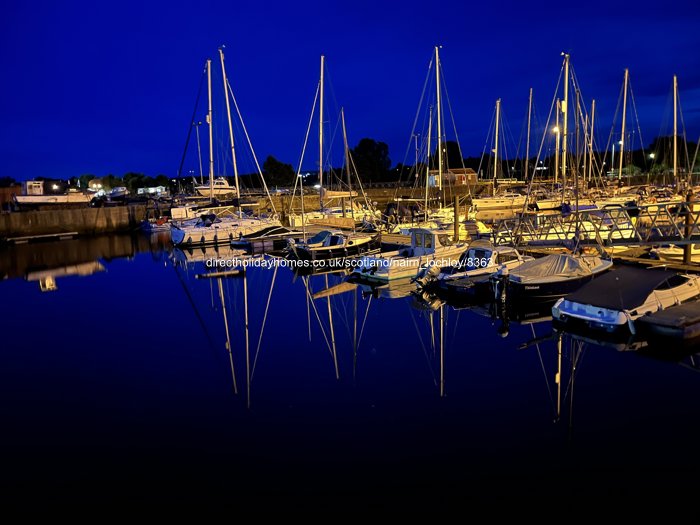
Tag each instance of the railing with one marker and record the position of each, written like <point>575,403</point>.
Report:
<point>659,223</point>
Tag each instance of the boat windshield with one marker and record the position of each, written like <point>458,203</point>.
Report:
<point>474,258</point>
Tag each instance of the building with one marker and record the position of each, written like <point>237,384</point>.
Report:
<point>454,177</point>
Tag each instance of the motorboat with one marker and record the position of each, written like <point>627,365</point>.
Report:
<point>218,188</point>
<point>475,265</point>
<point>434,247</point>
<point>334,244</point>
<point>620,297</point>
<point>550,277</point>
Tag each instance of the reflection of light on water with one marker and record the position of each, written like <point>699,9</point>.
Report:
<point>48,284</point>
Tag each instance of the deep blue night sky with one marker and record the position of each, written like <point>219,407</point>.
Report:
<point>92,88</point>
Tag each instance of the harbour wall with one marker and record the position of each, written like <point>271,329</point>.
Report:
<point>83,221</point>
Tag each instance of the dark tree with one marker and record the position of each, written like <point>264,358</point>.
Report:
<point>111,181</point>
<point>133,181</point>
<point>278,173</point>
<point>452,155</point>
<point>372,159</point>
<point>85,180</point>
<point>6,182</point>
<point>162,180</point>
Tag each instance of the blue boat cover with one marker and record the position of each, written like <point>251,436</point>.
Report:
<point>622,289</point>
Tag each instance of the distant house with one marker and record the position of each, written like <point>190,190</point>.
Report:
<point>153,190</point>
<point>454,177</point>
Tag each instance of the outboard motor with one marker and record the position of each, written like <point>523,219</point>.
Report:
<point>500,283</point>
<point>426,275</point>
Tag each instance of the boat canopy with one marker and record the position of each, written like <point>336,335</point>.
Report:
<point>622,289</point>
<point>319,237</point>
<point>555,264</point>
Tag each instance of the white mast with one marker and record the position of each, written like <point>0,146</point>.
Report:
<point>624,115</point>
<point>230,125</point>
<point>439,117</point>
<point>590,143</point>
<point>320,136</point>
<point>557,134</point>
<point>527,143</point>
<point>211,135</point>
<point>347,165</point>
<point>565,112</point>
<point>495,148</point>
<point>675,128</point>
<point>585,147</point>
<point>199,153</point>
<point>427,168</point>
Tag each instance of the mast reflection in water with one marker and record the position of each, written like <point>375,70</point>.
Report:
<point>151,377</point>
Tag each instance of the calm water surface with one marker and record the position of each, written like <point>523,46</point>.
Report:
<point>119,385</point>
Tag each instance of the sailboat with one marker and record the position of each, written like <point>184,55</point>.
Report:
<point>504,200</point>
<point>211,228</point>
<point>346,208</point>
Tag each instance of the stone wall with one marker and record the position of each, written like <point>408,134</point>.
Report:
<point>85,221</point>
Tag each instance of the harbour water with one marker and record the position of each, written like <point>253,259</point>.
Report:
<point>118,384</point>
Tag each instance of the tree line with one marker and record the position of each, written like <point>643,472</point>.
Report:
<point>373,163</point>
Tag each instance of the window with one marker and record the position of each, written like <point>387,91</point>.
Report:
<point>428,241</point>
<point>672,282</point>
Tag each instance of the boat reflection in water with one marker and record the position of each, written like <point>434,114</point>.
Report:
<point>256,352</point>
<point>47,278</point>
<point>45,262</point>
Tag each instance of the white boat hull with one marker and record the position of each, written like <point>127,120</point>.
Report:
<point>219,232</point>
<point>496,203</point>
<point>392,266</point>
<point>69,198</point>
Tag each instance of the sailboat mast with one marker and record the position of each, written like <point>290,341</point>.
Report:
<point>199,153</point>
<point>230,126</point>
<point>527,142</point>
<point>495,148</point>
<point>439,116</point>
<point>347,161</point>
<point>211,135</point>
<point>590,143</point>
<point>675,128</point>
<point>427,168</point>
<point>320,134</point>
<point>624,115</point>
<point>565,112</point>
<point>585,149</point>
<point>557,136</point>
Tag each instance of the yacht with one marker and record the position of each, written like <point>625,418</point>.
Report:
<point>427,247</point>
<point>622,296</point>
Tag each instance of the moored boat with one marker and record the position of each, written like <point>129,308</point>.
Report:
<point>334,244</point>
<point>427,247</point>
<point>622,296</point>
<point>550,277</point>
